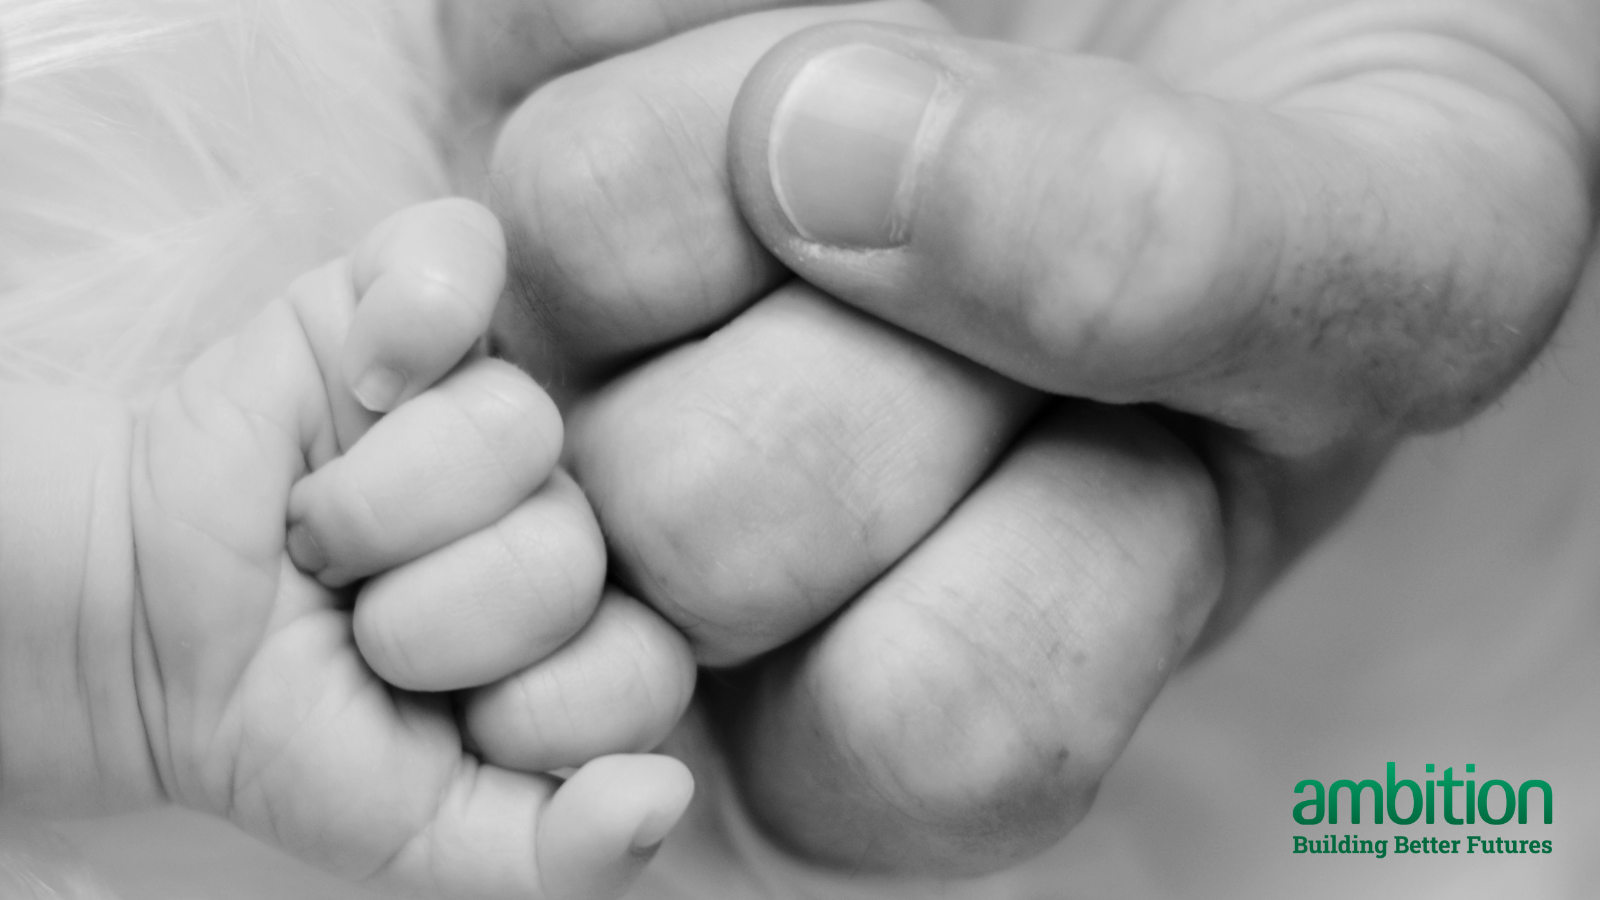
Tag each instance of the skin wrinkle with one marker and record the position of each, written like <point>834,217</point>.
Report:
<point>540,545</point>
<point>563,30</point>
<point>1047,639</point>
<point>673,125</point>
<point>1105,725</point>
<point>393,648</point>
<point>674,130</point>
<point>539,293</point>
<point>600,178</point>
<point>1105,303</point>
<point>441,291</point>
<point>1228,359</point>
<point>144,646</point>
<point>906,802</point>
<point>1394,398</point>
<point>1493,354</point>
<point>240,783</point>
<point>1489,354</point>
<point>1324,25</point>
<point>970,822</point>
<point>124,523</point>
<point>641,686</point>
<point>237,677</point>
<point>898,457</point>
<point>645,684</point>
<point>423,835</point>
<point>699,628</point>
<point>1153,241</point>
<point>512,396</point>
<point>860,757</point>
<point>1060,309</point>
<point>745,254</point>
<point>726,220</point>
<point>192,416</point>
<point>241,778</point>
<point>541,299</point>
<point>606,179</point>
<point>1493,42</point>
<point>834,439</point>
<point>1053,524</point>
<point>1031,238</point>
<point>1052,632</point>
<point>231,727</point>
<point>318,433</point>
<point>1278,315</point>
<point>651,581</point>
<point>311,721</point>
<point>531,295</point>
<point>81,681</point>
<point>731,423</point>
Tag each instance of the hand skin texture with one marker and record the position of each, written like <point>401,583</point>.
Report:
<point>182,624</point>
<point>1290,233</point>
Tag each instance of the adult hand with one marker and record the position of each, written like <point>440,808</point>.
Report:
<point>1312,228</point>
<point>1244,220</point>
<point>1238,222</point>
<point>755,482</point>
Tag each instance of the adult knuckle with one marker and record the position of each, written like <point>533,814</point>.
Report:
<point>954,758</point>
<point>595,236</point>
<point>1129,299</point>
<point>691,513</point>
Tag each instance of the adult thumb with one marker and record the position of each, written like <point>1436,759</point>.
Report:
<point>1081,226</point>
<point>1007,202</point>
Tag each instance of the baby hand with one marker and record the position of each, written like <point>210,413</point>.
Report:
<point>276,686</point>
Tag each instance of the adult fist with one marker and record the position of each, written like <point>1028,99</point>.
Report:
<point>1313,227</point>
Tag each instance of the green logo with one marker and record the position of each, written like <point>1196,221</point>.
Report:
<point>1423,800</point>
<point>1459,801</point>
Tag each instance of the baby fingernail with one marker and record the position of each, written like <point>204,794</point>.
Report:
<point>843,145</point>
<point>651,832</point>
<point>379,388</point>
<point>305,551</point>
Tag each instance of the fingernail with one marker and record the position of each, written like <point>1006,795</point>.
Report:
<point>651,832</point>
<point>379,388</point>
<point>843,145</point>
<point>307,554</point>
<point>648,852</point>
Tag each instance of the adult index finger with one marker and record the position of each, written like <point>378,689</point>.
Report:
<point>613,184</point>
<point>751,483</point>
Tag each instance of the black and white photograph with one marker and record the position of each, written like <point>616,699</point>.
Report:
<point>764,450</point>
